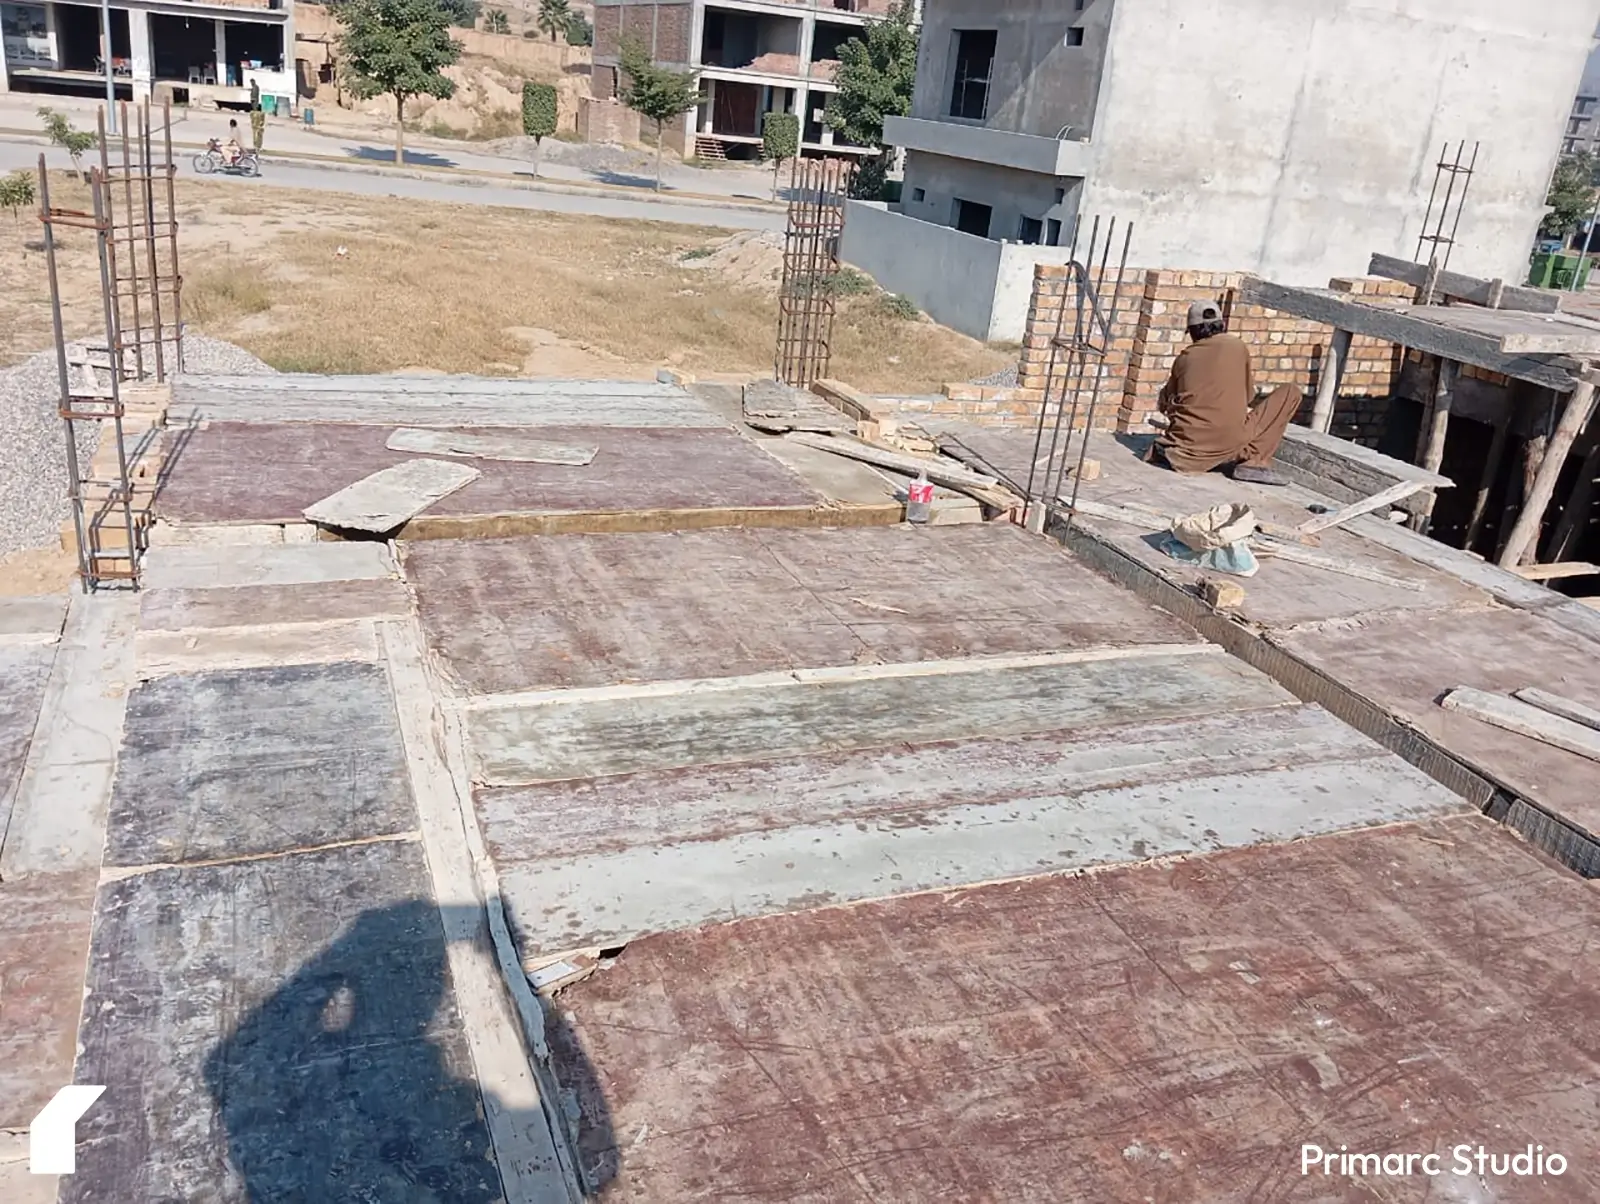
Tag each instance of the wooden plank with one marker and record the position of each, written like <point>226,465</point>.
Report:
<point>612,522</point>
<point>1554,572</point>
<point>1525,720</point>
<point>522,740</point>
<point>1266,545</point>
<point>386,499</point>
<point>1525,534</point>
<point>161,653</point>
<point>216,567</point>
<point>852,402</point>
<point>1360,468</point>
<point>517,448</point>
<point>389,384</point>
<point>535,1167</point>
<point>1491,472</point>
<point>1437,428</point>
<point>1575,515</point>
<point>1395,493</point>
<point>1332,375</point>
<point>1465,288</point>
<point>1557,705</point>
<point>1407,329</point>
<point>939,472</point>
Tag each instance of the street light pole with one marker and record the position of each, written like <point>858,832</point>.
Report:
<point>111,87</point>
<point>1588,243</point>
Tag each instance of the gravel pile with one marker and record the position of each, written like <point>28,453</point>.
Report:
<point>33,460</point>
<point>1006,378</point>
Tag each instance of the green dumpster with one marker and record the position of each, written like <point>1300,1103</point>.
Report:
<point>1557,270</point>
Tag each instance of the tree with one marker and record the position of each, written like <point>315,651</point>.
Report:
<point>579,31</point>
<point>874,79</point>
<point>400,47</point>
<point>655,93</point>
<point>538,116</point>
<point>1572,195</point>
<point>16,194</point>
<point>780,140</point>
<point>555,16</point>
<point>76,143</point>
<point>463,13</point>
<point>496,21</point>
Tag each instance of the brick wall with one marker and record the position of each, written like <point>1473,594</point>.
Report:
<point>663,29</point>
<point>1148,331</point>
<point>607,121</point>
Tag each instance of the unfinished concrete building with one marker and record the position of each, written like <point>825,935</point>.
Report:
<point>189,50</point>
<point>753,56</point>
<point>1253,136</point>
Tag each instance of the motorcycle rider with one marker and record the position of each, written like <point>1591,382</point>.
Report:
<point>232,150</point>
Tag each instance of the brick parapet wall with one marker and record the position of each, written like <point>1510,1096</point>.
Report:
<point>1149,329</point>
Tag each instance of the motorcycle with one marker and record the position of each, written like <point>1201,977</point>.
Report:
<point>214,159</point>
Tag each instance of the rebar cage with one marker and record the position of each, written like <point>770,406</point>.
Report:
<point>817,192</point>
<point>1077,369</point>
<point>1456,176</point>
<point>133,214</point>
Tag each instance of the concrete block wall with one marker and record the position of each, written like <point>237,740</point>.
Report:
<point>1148,332</point>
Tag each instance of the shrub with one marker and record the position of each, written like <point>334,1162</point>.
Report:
<point>900,306</point>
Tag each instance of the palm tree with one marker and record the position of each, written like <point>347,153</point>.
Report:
<point>496,21</point>
<point>554,17</point>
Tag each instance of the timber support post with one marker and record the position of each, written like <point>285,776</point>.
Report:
<point>1525,534</point>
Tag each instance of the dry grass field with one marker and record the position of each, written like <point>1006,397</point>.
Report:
<point>322,282</point>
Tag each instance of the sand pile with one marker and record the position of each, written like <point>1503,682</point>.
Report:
<point>750,259</point>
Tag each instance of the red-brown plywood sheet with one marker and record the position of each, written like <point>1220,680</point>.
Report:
<point>582,610</point>
<point>1166,1033</point>
<point>1406,663</point>
<point>243,472</point>
<point>44,945</point>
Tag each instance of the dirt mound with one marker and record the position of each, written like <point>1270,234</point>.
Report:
<point>750,259</point>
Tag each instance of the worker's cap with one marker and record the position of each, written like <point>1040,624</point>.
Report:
<point>1204,311</point>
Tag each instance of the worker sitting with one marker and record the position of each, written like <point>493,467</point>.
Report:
<point>1215,420</point>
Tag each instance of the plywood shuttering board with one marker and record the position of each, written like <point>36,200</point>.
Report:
<point>237,473</point>
<point>519,614</point>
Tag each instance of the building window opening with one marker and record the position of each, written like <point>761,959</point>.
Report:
<point>1074,37</point>
<point>918,195</point>
<point>969,97</point>
<point>1030,231</point>
<point>1053,232</point>
<point>972,218</point>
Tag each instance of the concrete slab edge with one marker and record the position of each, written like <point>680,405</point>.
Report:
<point>840,673</point>
<point>1549,832</point>
<point>537,1167</point>
<point>84,703</point>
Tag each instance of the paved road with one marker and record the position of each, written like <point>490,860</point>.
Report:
<point>16,154</point>
<point>371,148</point>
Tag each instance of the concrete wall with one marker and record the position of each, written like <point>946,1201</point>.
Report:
<point>1295,138</point>
<point>1012,194</point>
<point>975,285</point>
<point>1039,83</point>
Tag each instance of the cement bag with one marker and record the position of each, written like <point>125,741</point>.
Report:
<point>1218,538</point>
<point>1217,527</point>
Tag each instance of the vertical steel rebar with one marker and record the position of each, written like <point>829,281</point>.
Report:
<point>132,279</point>
<point>64,376</point>
<point>170,169</point>
<point>121,490</point>
<point>1094,397</point>
<point>148,214</point>
<point>1050,371</point>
